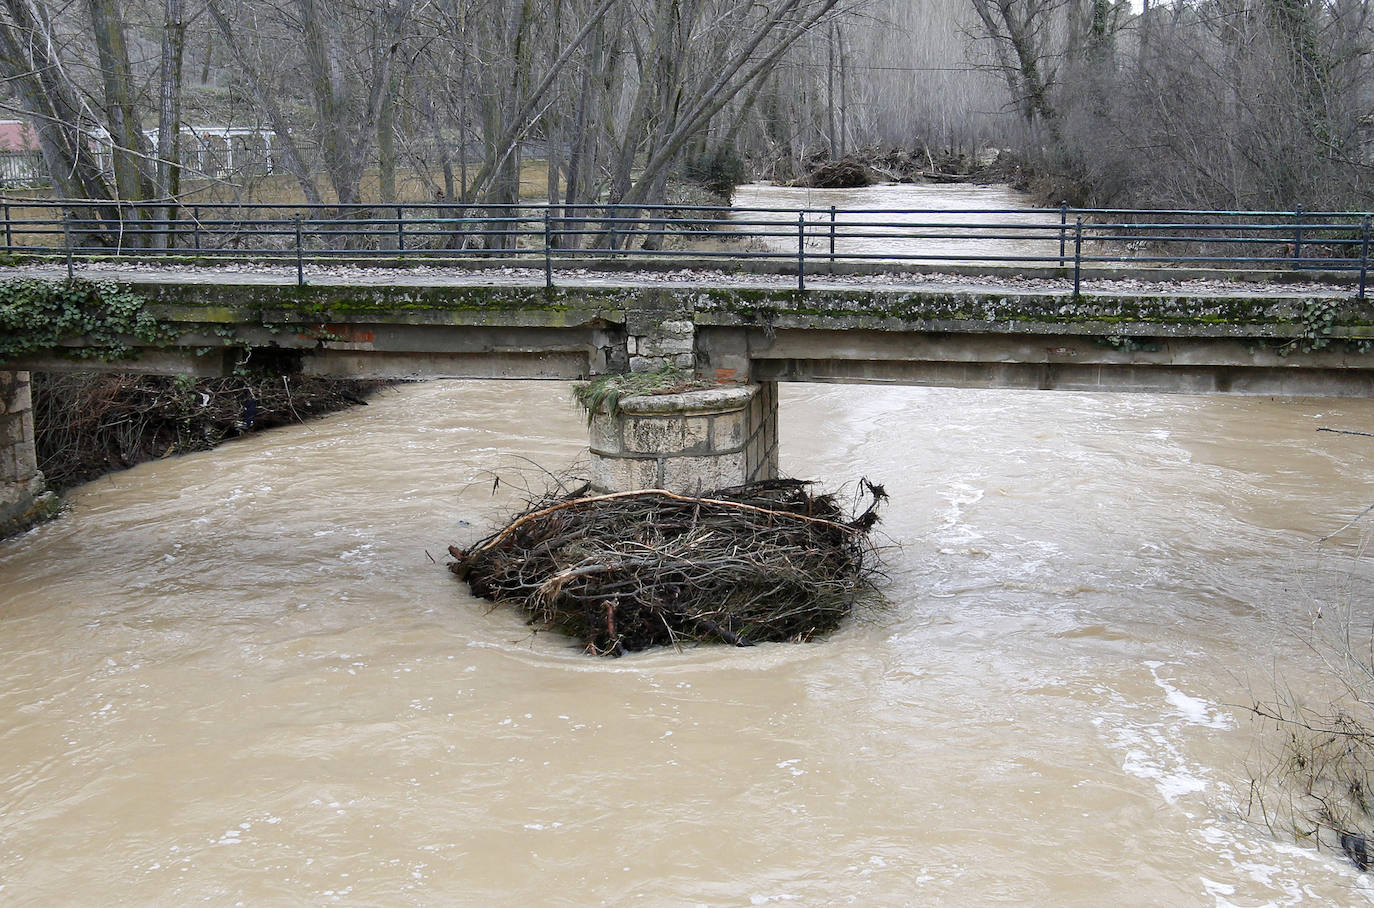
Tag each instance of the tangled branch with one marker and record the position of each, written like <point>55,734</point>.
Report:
<point>766,561</point>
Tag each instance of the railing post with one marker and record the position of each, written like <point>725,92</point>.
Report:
<point>1364,256</point>
<point>1063,229</point>
<point>400,229</point>
<point>195,226</point>
<point>300,260</point>
<point>1297,237</point>
<point>9,231</point>
<point>832,237</point>
<point>801,250</point>
<point>1078,256</point>
<point>67,241</point>
<point>548,256</point>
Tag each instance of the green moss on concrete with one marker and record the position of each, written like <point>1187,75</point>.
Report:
<point>26,510</point>
<point>324,300</point>
<point>225,314</point>
<point>870,309</point>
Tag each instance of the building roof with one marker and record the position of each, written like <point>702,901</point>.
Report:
<point>17,135</point>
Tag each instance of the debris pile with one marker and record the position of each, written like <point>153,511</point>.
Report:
<point>89,423</point>
<point>845,173</point>
<point>766,561</point>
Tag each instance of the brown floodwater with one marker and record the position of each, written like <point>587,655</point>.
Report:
<point>240,677</point>
<point>938,223</point>
<point>244,677</point>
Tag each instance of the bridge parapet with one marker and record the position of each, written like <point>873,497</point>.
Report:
<point>1025,338</point>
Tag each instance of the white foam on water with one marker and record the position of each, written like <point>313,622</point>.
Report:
<point>1194,710</point>
<point>1151,750</point>
<point>1280,867</point>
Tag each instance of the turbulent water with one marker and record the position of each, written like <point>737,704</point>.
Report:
<point>878,221</point>
<point>241,677</point>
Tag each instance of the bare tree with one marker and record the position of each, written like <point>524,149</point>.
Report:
<point>130,152</point>
<point>266,99</point>
<point>46,92</point>
<point>1024,35</point>
<point>169,107</point>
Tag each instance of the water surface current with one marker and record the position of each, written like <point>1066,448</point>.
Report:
<point>244,677</point>
<point>241,676</point>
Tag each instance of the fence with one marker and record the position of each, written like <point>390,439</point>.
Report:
<point>23,169</point>
<point>1070,240</point>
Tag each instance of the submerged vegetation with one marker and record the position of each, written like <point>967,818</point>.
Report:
<point>1317,784</point>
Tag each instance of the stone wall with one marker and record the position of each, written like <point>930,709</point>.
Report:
<point>761,449</point>
<point>23,498</point>
<point>655,339</point>
<point>686,443</point>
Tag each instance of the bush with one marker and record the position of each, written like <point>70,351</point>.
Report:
<point>719,170</point>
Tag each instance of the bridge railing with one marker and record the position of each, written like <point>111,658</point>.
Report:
<point>810,240</point>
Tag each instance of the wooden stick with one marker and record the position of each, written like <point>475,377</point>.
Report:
<point>1345,432</point>
<point>663,493</point>
<point>1353,521</point>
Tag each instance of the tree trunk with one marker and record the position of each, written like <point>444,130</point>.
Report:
<point>518,124</point>
<point>39,80</point>
<point>127,143</point>
<point>169,112</point>
<point>386,149</point>
<point>785,25</point>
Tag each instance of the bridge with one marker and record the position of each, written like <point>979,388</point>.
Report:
<point>744,330</point>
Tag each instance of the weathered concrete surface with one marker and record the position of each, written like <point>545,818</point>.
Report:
<point>1157,343</point>
<point>1298,341</point>
<point>688,443</point>
<point>1070,362</point>
<point>23,498</point>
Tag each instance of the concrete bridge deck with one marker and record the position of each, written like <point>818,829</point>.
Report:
<point>750,330</point>
<point>955,330</point>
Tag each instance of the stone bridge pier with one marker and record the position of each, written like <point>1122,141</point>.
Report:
<point>23,497</point>
<point>689,442</point>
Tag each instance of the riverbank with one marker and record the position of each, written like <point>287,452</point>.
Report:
<point>872,165</point>
<point>87,424</point>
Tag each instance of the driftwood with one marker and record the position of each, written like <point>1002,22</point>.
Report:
<point>842,174</point>
<point>766,561</point>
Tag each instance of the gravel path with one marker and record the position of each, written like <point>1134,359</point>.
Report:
<point>433,276</point>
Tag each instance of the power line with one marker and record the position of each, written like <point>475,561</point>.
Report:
<point>900,69</point>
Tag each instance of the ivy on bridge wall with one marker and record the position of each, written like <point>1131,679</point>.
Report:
<point>37,316</point>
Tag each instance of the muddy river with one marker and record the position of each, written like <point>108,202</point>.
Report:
<point>244,677</point>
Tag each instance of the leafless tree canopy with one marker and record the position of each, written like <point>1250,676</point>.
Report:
<point>611,93</point>
<point>1224,103</point>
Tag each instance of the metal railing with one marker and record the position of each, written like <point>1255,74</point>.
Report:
<point>23,168</point>
<point>815,240</point>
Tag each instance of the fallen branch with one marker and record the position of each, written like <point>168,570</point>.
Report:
<point>1345,432</point>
